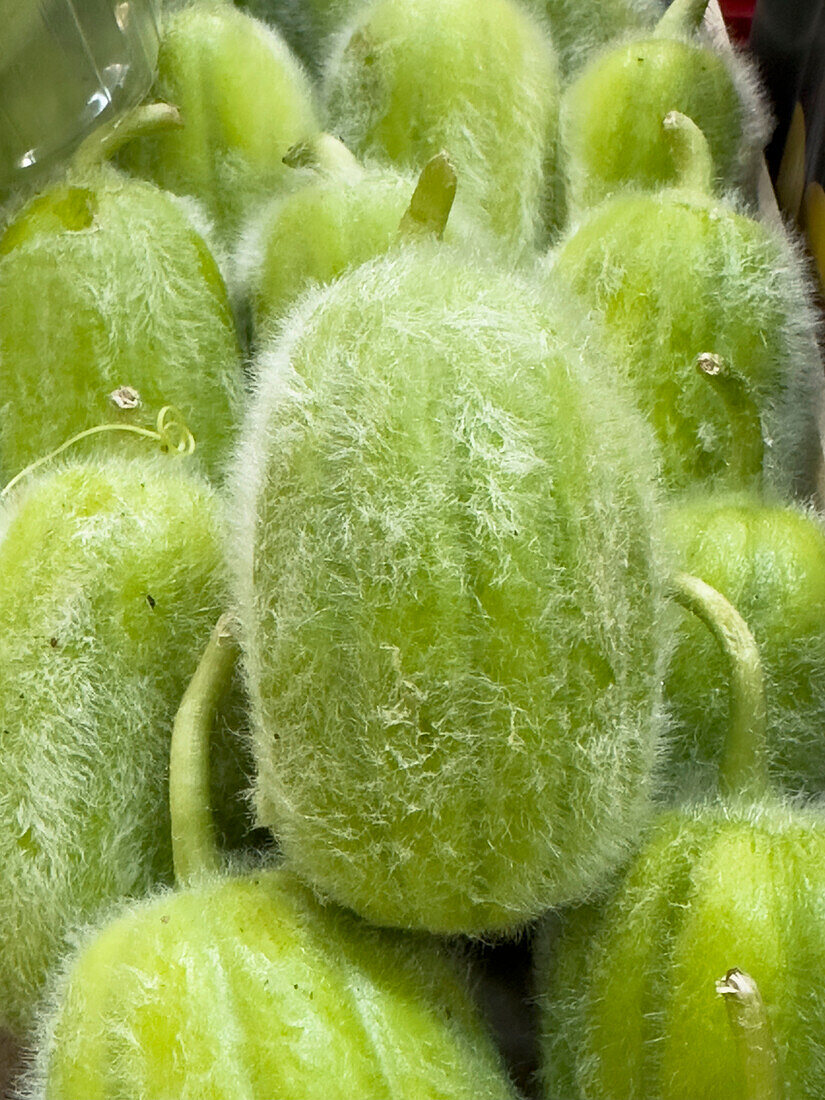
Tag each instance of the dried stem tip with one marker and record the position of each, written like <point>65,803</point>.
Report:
<point>749,1023</point>
<point>326,154</point>
<point>747,456</point>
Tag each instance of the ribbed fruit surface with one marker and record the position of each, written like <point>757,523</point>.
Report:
<point>450,597</point>
<point>246,989</point>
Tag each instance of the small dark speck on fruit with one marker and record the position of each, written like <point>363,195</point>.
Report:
<point>53,643</point>
<point>164,919</point>
<point>150,600</point>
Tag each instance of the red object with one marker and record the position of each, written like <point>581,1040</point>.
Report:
<point>738,16</point>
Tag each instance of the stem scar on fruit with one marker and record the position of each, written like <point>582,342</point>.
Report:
<point>749,455</point>
<point>125,397</point>
<point>751,1030</point>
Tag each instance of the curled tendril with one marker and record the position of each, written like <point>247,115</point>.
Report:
<point>171,432</point>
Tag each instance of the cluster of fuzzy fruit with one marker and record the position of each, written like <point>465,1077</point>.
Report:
<point>490,433</point>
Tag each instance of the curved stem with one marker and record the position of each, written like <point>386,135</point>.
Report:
<point>748,451</point>
<point>743,772</point>
<point>752,1034</point>
<point>683,17</point>
<point>690,152</point>
<point>432,199</point>
<point>194,846</point>
<point>102,144</point>
<point>324,153</point>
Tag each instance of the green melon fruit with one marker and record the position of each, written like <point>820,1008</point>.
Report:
<point>611,112</point>
<point>768,559</point>
<point>414,77</point>
<point>243,987</point>
<point>244,99</point>
<point>111,575</point>
<point>675,274</point>
<point>630,1008</point>
<point>449,591</point>
<point>106,287</point>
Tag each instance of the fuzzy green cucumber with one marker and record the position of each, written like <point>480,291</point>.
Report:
<point>245,99</point>
<point>677,274</point>
<point>448,581</point>
<point>630,995</point>
<point>413,77</point>
<point>245,988</point>
<point>111,308</point>
<point>241,986</point>
<point>611,112</point>
<point>111,574</point>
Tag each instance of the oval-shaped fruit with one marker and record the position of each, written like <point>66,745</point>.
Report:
<point>611,113</point>
<point>111,575</point>
<point>414,77</point>
<point>675,274</point>
<point>245,988</point>
<point>106,286</point>
<point>630,1004</point>
<point>448,583</point>
<point>244,99</point>
<point>768,559</point>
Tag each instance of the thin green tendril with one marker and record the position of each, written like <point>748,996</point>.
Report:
<point>171,432</point>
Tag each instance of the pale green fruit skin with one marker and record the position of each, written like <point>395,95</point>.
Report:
<point>414,77</point>
<point>104,283</point>
<point>610,124</point>
<point>628,1000</point>
<point>769,561</point>
<point>580,27</point>
<point>676,274</point>
<point>244,99</point>
<point>246,989</point>
<point>448,585</point>
<point>327,226</point>
<point>111,577</point>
